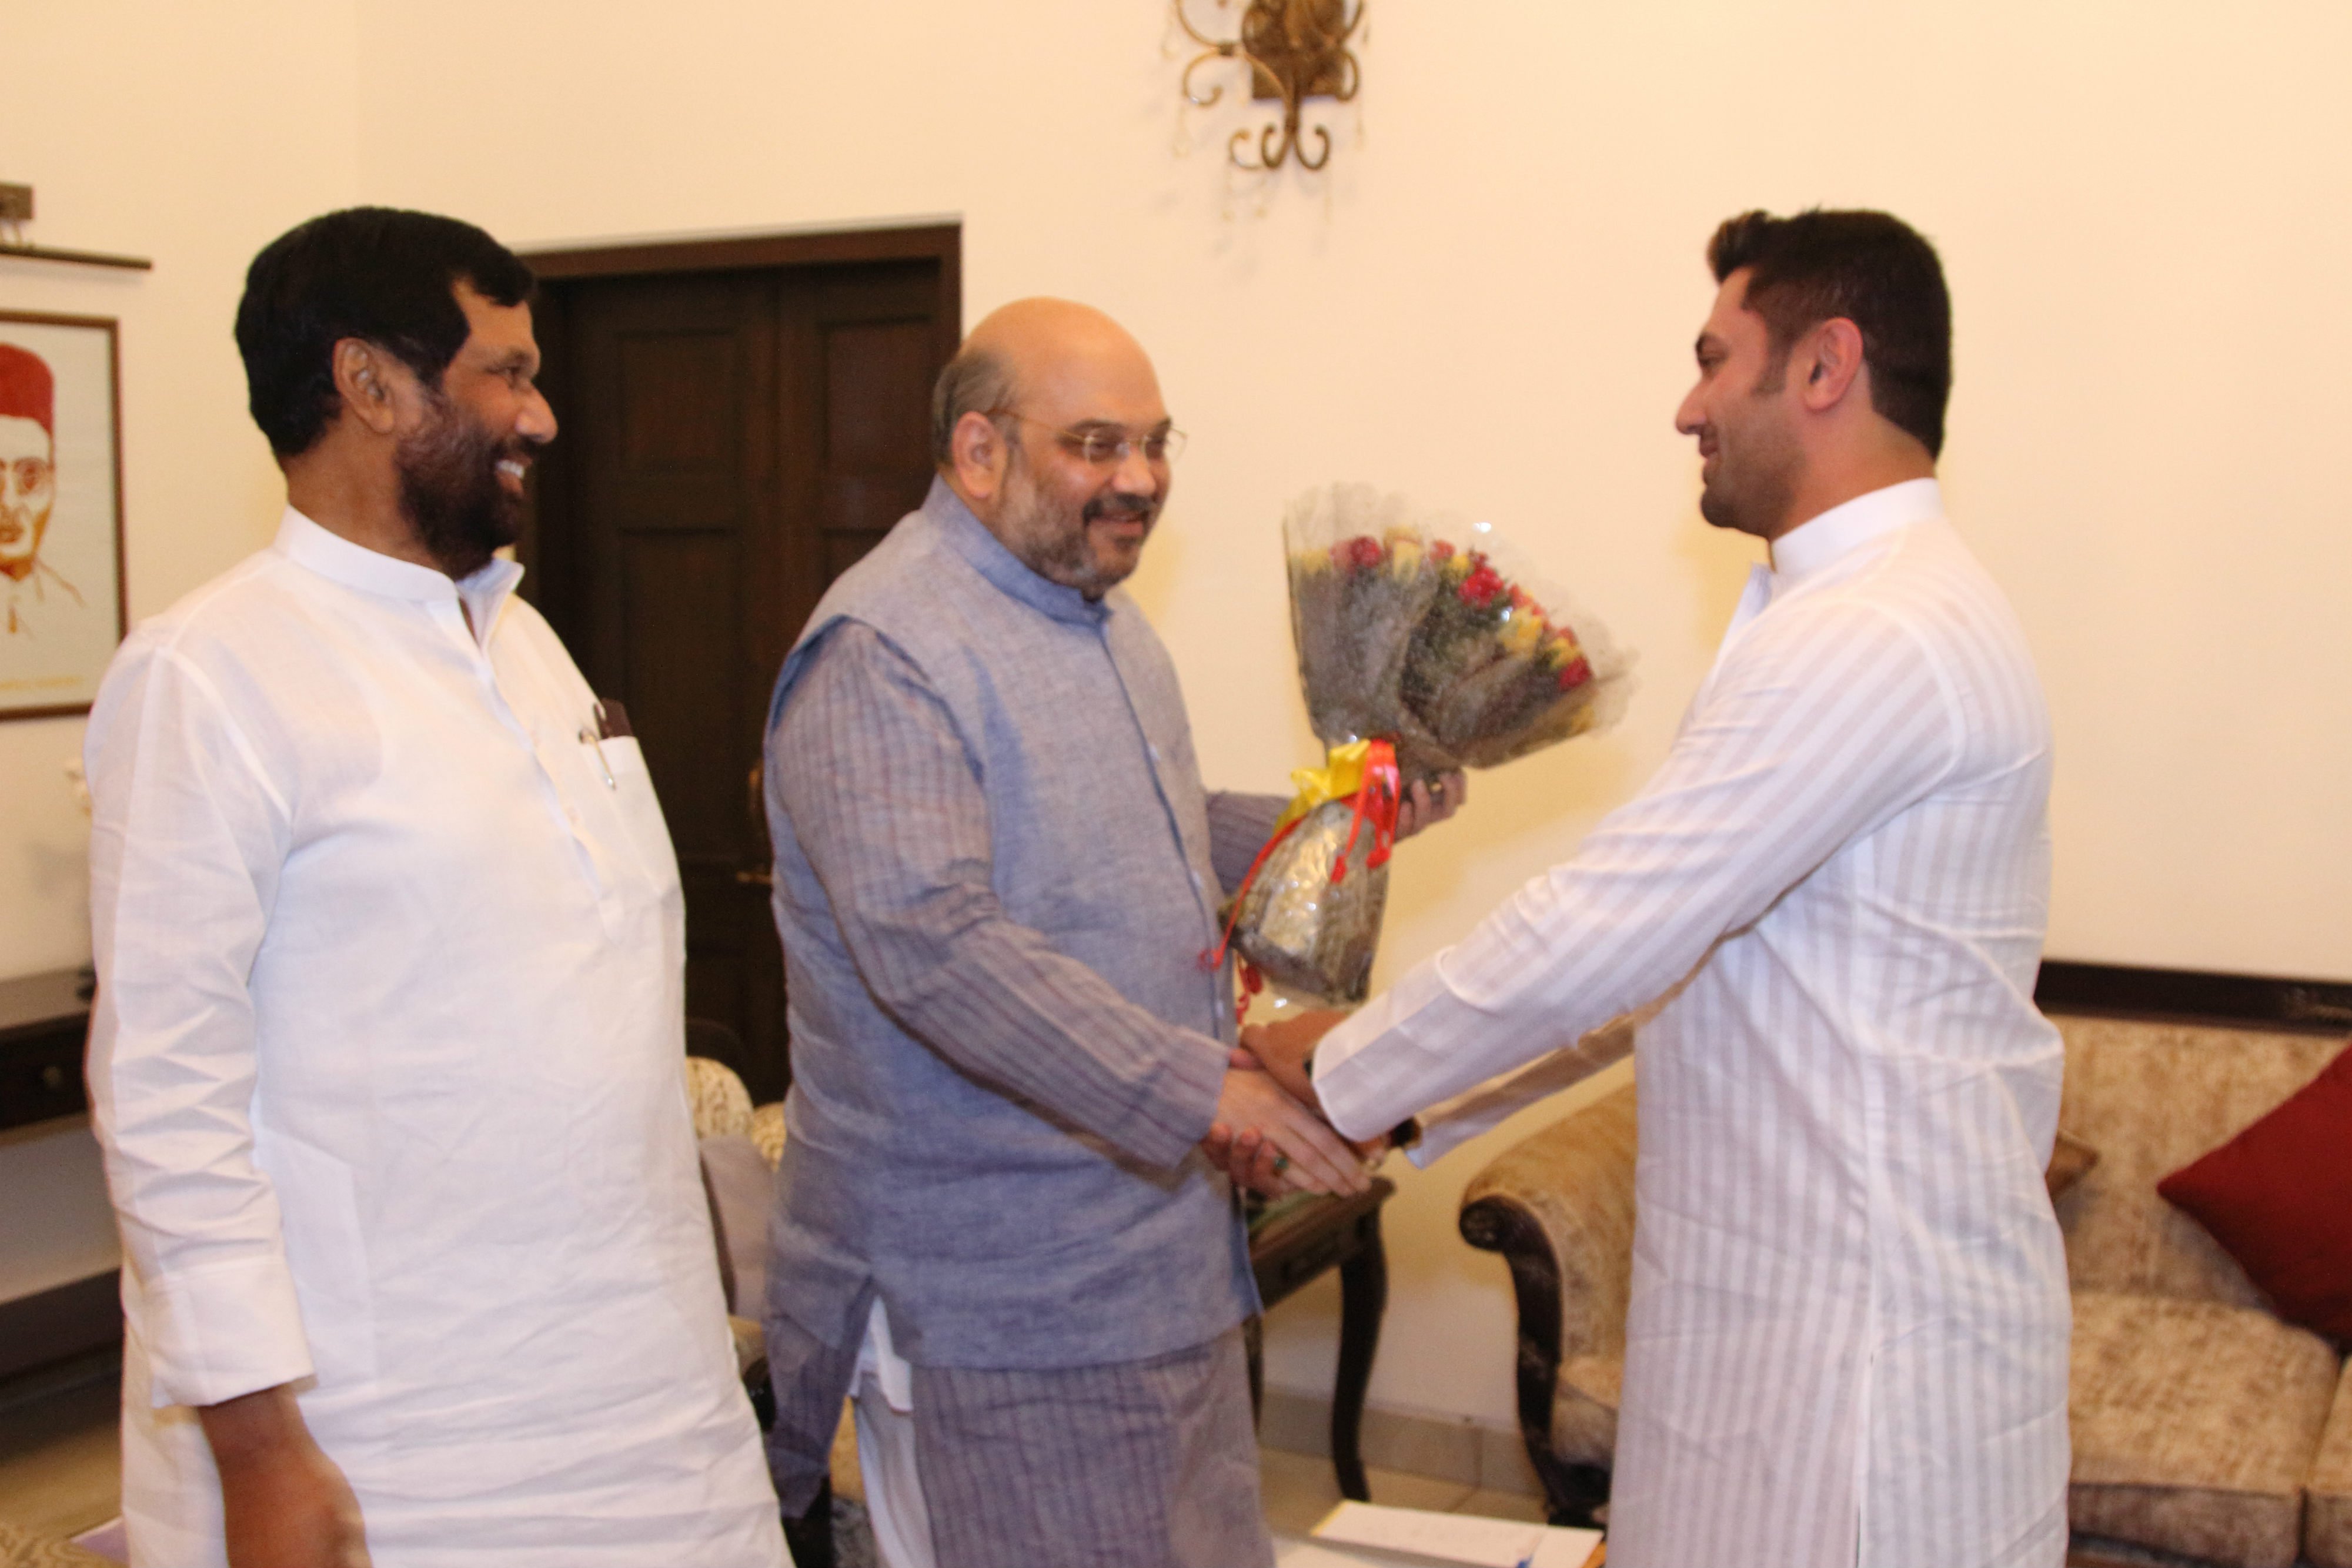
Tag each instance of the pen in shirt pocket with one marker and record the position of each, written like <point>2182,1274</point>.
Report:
<point>605,722</point>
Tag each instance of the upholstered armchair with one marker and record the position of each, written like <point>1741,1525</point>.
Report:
<point>741,1145</point>
<point>1559,1208</point>
<point>2204,1427</point>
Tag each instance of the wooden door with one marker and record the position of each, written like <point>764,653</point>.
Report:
<point>732,440</point>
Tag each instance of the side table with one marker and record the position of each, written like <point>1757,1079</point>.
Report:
<point>1292,1241</point>
<point>44,1020</point>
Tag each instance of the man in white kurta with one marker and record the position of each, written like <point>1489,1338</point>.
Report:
<point>1848,1327</point>
<point>387,1057</point>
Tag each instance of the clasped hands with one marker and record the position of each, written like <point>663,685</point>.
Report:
<point>1270,1135</point>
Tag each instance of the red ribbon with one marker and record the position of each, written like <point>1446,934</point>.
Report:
<point>1376,801</point>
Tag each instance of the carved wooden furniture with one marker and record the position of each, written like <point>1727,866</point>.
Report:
<point>44,1026</point>
<point>2203,1425</point>
<point>1294,1242</point>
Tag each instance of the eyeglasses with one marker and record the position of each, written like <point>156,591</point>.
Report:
<point>1104,446</point>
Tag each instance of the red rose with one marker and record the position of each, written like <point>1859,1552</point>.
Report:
<point>1478,589</point>
<point>1440,551</point>
<point>1574,673</point>
<point>1362,552</point>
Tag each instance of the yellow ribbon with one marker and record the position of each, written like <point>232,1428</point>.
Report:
<point>1342,775</point>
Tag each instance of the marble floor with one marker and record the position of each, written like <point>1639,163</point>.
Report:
<point>60,1467</point>
<point>60,1472</point>
<point>1299,1490</point>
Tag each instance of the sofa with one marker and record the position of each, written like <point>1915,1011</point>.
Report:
<point>2205,1430</point>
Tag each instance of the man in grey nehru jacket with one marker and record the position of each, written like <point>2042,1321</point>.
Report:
<point>996,867</point>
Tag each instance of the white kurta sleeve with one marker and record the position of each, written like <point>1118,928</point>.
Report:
<point>187,837</point>
<point>1822,722</point>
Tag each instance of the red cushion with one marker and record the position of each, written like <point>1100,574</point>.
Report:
<point>2278,1198</point>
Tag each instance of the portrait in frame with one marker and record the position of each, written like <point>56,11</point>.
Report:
<point>61,597</point>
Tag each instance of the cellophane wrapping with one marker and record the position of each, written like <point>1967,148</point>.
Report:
<point>1421,628</point>
<point>1305,932</point>
<point>1418,628</point>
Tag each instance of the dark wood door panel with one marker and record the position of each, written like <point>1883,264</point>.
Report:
<point>679,395</point>
<point>878,407</point>
<point>732,441</point>
<point>869,502</point>
<point>682,652</point>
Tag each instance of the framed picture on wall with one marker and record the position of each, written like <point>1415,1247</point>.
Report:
<point>61,601</point>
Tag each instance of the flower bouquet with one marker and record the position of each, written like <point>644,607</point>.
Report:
<point>1420,651</point>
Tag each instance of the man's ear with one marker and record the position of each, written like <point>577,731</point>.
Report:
<point>982,456</point>
<point>1829,363</point>
<point>364,376</point>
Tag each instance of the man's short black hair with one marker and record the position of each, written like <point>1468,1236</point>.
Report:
<point>1872,268</point>
<point>378,274</point>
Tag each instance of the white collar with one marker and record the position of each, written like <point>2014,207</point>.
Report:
<point>1828,537</point>
<point>338,559</point>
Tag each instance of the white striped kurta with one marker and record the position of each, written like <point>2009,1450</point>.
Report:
<point>1848,1332</point>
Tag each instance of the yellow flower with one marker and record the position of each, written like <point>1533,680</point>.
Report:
<point>1404,554</point>
<point>1521,631</point>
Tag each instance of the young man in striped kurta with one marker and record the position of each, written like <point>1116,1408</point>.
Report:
<point>1848,1329</point>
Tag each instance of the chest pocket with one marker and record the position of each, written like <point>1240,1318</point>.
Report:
<point>643,833</point>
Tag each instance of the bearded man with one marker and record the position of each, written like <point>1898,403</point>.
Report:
<point>28,483</point>
<point>996,873</point>
<point>1846,1340</point>
<point>387,1057</point>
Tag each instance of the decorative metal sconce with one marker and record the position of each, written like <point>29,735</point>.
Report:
<point>1297,49</point>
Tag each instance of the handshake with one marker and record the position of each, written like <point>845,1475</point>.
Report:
<point>1270,1136</point>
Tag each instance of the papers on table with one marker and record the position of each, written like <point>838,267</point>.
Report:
<point>1417,1535</point>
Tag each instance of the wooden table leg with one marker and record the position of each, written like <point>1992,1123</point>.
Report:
<point>1363,1298</point>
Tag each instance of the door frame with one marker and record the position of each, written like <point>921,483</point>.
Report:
<point>941,242</point>
<point>550,580</point>
<point>938,241</point>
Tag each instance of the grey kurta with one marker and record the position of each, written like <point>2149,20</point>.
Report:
<point>996,869</point>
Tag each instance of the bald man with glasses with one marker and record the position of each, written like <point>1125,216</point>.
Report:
<point>996,867</point>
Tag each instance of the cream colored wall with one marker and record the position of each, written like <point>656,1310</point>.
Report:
<point>189,135</point>
<point>1487,300</point>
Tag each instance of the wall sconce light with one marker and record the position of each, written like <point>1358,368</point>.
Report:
<point>1297,49</point>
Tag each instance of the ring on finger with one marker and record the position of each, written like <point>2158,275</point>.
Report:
<point>1281,1163</point>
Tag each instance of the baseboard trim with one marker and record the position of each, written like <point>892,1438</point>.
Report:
<point>61,1323</point>
<point>2260,1001</point>
<point>1462,1450</point>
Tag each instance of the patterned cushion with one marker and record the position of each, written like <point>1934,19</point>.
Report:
<point>22,1549</point>
<point>1584,1408</point>
<point>768,1132</point>
<point>751,1345</point>
<point>2071,1160</point>
<point>722,1106</point>
<point>742,1190</point>
<point>2278,1196</point>
<point>2150,1097</point>
<point>849,1477</point>
<point>2194,1426</point>
<point>2327,1493</point>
